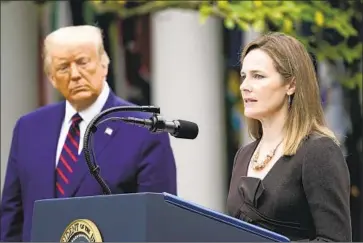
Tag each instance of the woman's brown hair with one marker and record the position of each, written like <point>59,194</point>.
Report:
<point>305,114</point>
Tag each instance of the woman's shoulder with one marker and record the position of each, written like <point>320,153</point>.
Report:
<point>316,143</point>
<point>322,152</point>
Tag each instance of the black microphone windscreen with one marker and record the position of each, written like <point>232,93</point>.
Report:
<point>187,130</point>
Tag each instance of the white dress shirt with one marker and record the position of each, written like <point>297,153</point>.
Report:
<point>87,115</point>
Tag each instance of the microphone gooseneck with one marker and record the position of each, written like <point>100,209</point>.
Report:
<point>92,128</point>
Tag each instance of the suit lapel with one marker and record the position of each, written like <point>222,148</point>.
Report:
<point>100,138</point>
<point>48,142</point>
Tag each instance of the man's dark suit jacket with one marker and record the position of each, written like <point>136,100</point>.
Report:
<point>131,160</point>
<point>304,197</point>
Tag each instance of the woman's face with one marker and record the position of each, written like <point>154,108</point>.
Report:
<point>263,89</point>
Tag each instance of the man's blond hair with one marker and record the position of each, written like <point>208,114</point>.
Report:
<point>73,35</point>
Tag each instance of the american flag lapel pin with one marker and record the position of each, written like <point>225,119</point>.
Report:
<point>108,131</point>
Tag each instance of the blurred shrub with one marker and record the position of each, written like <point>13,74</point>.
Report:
<point>322,17</point>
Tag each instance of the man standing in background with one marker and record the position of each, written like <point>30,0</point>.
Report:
<point>46,158</point>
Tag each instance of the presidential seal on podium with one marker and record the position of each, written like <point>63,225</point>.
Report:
<point>81,230</point>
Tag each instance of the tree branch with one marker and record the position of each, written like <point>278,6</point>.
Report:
<point>146,8</point>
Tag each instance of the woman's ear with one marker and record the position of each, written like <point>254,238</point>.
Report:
<point>290,87</point>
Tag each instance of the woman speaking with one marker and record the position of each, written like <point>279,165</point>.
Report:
<point>293,179</point>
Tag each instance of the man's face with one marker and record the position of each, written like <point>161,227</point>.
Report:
<point>77,72</point>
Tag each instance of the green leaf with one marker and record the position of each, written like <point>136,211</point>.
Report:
<point>243,10</point>
<point>243,25</point>
<point>204,12</point>
<point>272,3</point>
<point>275,16</point>
<point>350,54</point>
<point>229,23</point>
<point>353,82</point>
<point>287,25</point>
<point>223,4</point>
<point>259,25</point>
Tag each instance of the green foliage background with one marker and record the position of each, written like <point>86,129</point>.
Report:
<point>284,16</point>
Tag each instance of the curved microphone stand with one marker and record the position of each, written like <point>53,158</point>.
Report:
<point>92,128</point>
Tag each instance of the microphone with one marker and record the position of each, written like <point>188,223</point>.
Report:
<point>176,128</point>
